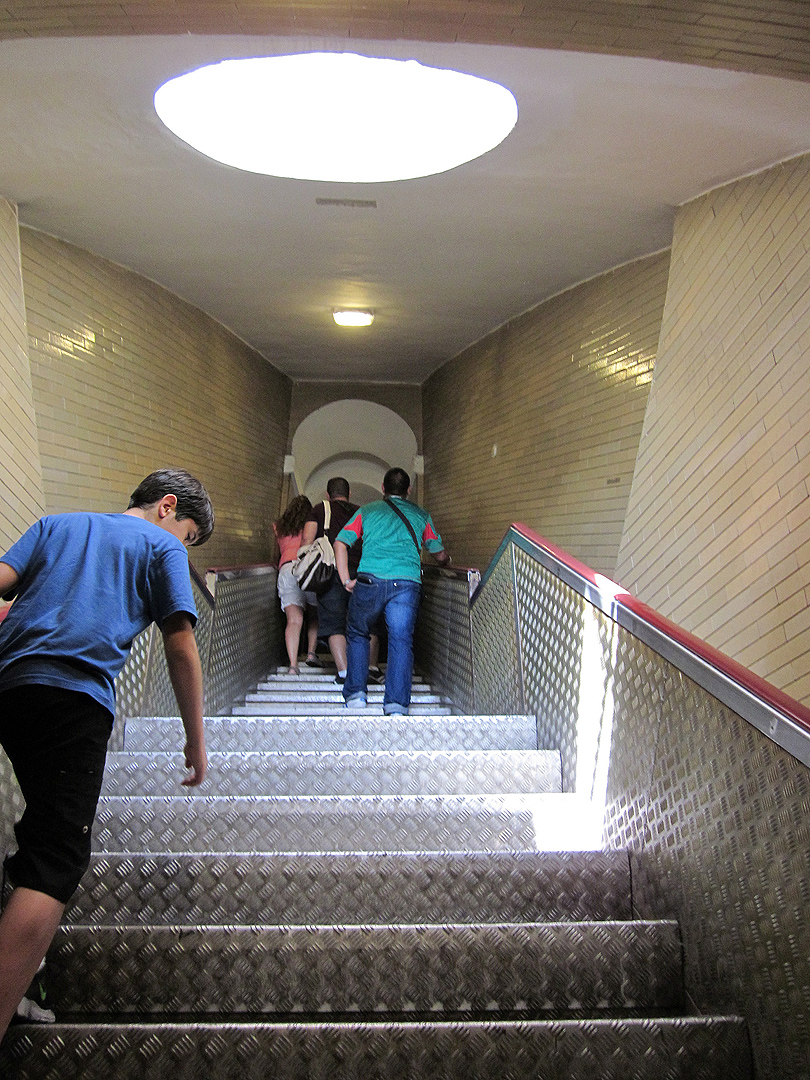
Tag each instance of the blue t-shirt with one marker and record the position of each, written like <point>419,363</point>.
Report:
<point>89,584</point>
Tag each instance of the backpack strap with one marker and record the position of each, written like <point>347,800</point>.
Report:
<point>327,516</point>
<point>410,527</point>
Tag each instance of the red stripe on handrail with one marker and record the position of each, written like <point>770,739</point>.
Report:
<point>768,693</point>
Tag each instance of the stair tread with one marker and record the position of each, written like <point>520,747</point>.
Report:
<point>343,823</point>
<point>341,731</point>
<point>335,695</point>
<point>458,968</point>
<point>349,888</point>
<point>328,708</point>
<point>341,772</point>
<point>697,1048</point>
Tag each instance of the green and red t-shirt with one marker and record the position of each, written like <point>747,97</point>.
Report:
<point>388,548</point>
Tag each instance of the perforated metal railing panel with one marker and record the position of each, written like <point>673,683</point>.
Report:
<point>12,803</point>
<point>495,646</point>
<point>721,828</point>
<point>551,627</point>
<point>443,644</point>
<point>245,636</point>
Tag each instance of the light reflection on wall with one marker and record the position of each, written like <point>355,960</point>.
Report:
<point>82,341</point>
<point>615,359</point>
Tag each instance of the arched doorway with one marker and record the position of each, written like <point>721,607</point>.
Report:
<point>357,439</point>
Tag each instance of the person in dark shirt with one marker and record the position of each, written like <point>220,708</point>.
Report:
<point>333,604</point>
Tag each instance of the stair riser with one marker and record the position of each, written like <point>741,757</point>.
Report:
<point>342,733</point>
<point>189,824</point>
<point>374,694</point>
<point>541,970</point>
<point>353,889</point>
<point>308,681</point>
<point>683,1049</point>
<point>335,708</point>
<point>350,773</point>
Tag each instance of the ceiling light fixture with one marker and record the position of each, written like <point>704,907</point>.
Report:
<point>353,318</point>
<point>339,117</point>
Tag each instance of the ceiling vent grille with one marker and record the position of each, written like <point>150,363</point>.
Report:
<point>355,204</point>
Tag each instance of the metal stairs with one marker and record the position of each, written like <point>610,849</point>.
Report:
<point>358,896</point>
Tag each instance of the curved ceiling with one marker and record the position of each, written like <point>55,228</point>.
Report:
<point>754,35</point>
<point>605,149</point>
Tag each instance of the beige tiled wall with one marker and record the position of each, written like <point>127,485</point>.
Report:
<point>21,499</point>
<point>128,378</point>
<point>540,421</point>
<point>717,535</point>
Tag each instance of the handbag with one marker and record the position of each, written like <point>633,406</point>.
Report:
<point>314,565</point>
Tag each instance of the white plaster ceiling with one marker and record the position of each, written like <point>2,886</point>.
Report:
<point>604,150</point>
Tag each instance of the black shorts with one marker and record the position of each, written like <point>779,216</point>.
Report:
<point>56,741</point>
<point>332,608</point>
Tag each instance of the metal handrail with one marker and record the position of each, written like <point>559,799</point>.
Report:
<point>773,712</point>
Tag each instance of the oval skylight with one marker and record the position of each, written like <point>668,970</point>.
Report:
<point>336,116</point>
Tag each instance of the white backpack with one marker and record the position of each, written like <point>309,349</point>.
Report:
<point>314,564</point>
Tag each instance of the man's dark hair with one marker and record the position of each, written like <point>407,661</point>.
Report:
<point>192,498</point>
<point>396,482</point>
<point>338,488</point>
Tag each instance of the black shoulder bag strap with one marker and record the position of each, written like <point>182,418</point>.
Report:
<point>399,513</point>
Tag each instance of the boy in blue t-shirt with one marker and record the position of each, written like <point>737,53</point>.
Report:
<point>85,585</point>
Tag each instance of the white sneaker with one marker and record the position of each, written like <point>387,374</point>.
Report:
<point>29,1010</point>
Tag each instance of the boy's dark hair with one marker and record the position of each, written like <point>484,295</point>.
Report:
<point>294,518</point>
<point>396,482</point>
<point>338,488</point>
<point>192,498</point>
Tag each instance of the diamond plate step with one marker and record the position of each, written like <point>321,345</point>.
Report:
<point>688,1048</point>
<point>317,680</point>
<point>341,773</point>
<point>541,970</point>
<point>352,823</point>
<point>353,889</point>
<point>334,696</point>
<point>344,732</point>
<point>301,704</point>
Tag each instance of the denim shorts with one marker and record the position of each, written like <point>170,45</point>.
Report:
<point>289,591</point>
<point>56,741</point>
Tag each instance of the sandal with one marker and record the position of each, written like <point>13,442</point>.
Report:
<point>312,660</point>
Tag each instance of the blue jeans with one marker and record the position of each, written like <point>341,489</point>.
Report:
<point>398,599</point>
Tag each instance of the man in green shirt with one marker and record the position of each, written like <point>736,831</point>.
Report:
<point>389,583</point>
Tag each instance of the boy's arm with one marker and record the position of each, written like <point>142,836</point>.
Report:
<point>9,579</point>
<point>185,672</point>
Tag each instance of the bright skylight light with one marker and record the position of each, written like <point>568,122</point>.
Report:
<point>336,116</point>
<point>353,317</point>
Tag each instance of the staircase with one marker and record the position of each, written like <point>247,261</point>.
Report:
<point>358,896</point>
